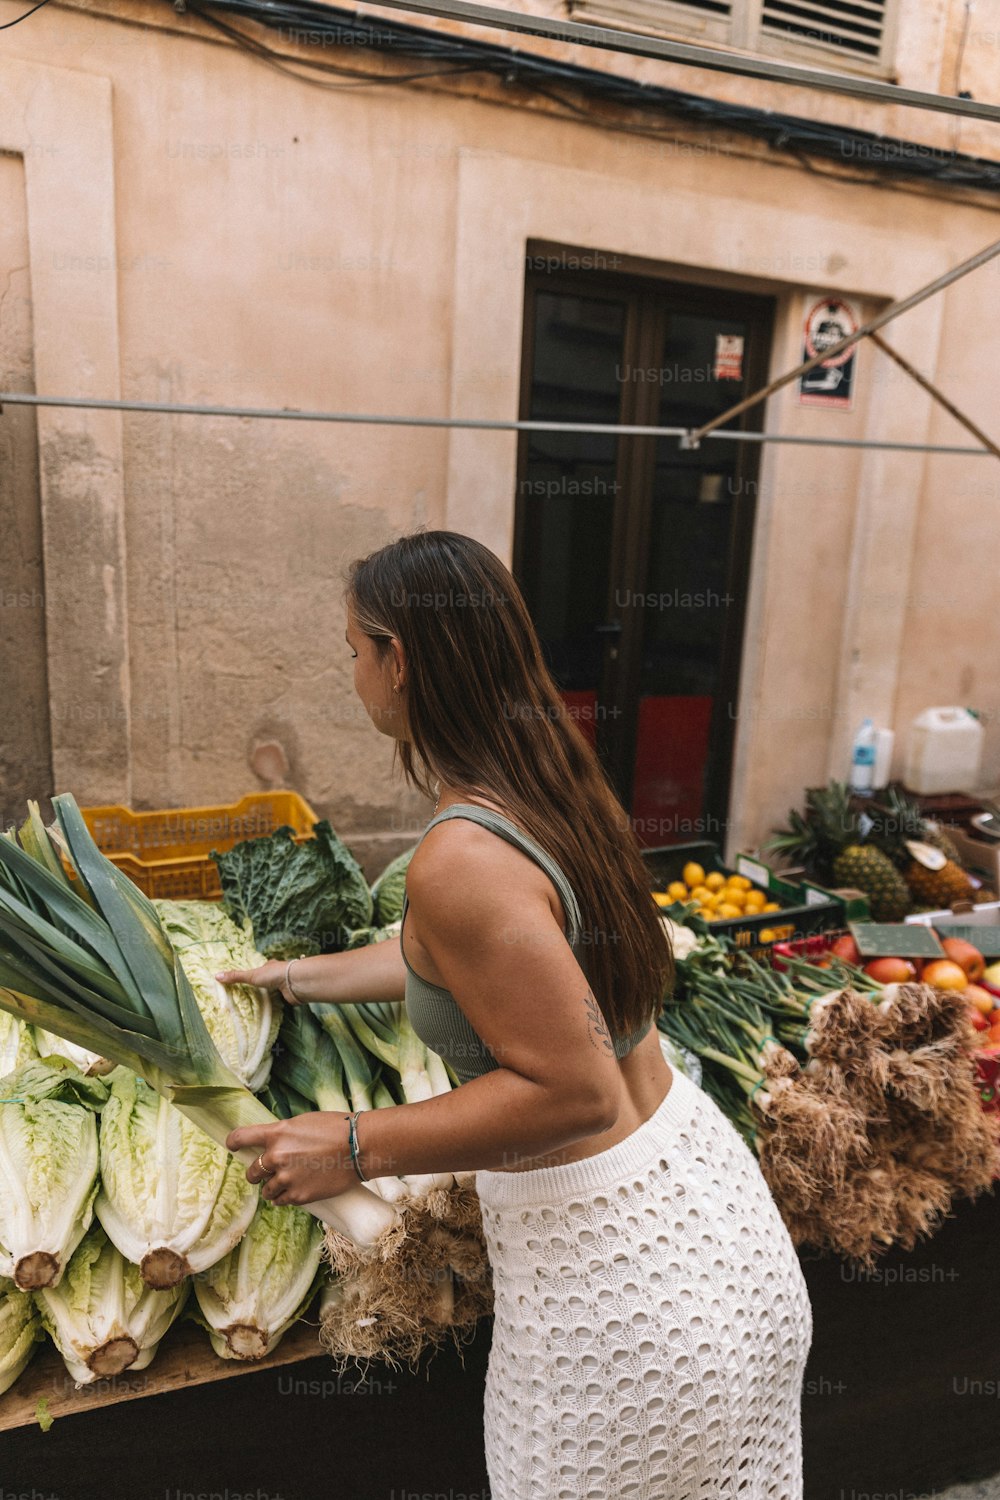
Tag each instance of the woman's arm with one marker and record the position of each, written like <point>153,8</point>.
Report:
<point>493,937</point>
<point>500,951</point>
<point>375,972</point>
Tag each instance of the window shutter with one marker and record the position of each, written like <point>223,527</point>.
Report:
<point>852,26</point>
<point>711,7</point>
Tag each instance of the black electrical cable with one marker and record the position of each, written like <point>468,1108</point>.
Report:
<point>18,19</point>
<point>308,23</point>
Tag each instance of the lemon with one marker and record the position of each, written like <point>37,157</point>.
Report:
<point>715,881</point>
<point>701,893</point>
<point>735,898</point>
<point>771,906</point>
<point>740,882</point>
<point>767,935</point>
<point>662,899</point>
<point>754,901</point>
<point>706,914</point>
<point>678,890</point>
<point>727,909</point>
<point>694,875</point>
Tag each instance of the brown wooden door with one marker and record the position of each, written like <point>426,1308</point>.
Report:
<point>633,553</point>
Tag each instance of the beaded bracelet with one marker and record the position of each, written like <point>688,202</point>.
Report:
<point>352,1136</point>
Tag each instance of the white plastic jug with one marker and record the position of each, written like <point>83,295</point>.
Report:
<point>944,752</point>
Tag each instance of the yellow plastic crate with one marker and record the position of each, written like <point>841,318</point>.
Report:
<point>166,852</point>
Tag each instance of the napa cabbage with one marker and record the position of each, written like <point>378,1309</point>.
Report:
<point>50,1045</point>
<point>365,935</point>
<point>102,1316</point>
<point>171,1200</point>
<point>48,1168</point>
<point>242,1019</point>
<point>17,1043</point>
<point>250,1298</point>
<point>20,1331</point>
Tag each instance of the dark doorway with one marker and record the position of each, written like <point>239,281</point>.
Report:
<point>634,554</point>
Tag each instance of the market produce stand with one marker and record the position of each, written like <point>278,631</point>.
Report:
<point>289,1428</point>
<point>757,999</point>
<point>185,1359</point>
<point>898,1401</point>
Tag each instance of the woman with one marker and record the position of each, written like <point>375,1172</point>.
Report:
<point>651,1318</point>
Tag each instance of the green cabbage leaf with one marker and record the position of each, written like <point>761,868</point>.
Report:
<point>389,889</point>
<point>299,899</point>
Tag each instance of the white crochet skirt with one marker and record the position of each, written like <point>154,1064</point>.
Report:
<point>652,1321</point>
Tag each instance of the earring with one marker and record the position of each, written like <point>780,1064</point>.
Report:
<point>396,687</point>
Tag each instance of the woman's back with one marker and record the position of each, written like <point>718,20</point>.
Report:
<point>433,1011</point>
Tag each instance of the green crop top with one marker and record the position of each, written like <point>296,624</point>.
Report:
<point>433,1012</point>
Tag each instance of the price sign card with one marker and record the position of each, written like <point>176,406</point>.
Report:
<point>895,940</point>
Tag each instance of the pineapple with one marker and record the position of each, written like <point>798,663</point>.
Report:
<point>830,844</point>
<point>816,839</point>
<point>871,871</point>
<point>936,889</point>
<point>931,889</point>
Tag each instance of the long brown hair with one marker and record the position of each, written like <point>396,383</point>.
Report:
<point>484,714</point>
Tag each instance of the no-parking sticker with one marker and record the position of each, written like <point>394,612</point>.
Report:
<point>829,383</point>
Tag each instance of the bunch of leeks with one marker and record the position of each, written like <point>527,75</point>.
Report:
<point>84,955</point>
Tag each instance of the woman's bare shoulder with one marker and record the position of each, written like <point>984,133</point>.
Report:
<point>461,862</point>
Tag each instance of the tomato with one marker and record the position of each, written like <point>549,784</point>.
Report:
<point>943,974</point>
<point>979,1021</point>
<point>890,970</point>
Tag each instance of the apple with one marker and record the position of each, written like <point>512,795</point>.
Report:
<point>981,999</point>
<point>890,970</point>
<point>944,974</point>
<point>966,956</point>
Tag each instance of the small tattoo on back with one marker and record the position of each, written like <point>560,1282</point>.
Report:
<point>599,1033</point>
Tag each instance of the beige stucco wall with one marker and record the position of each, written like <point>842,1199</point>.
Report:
<point>204,229</point>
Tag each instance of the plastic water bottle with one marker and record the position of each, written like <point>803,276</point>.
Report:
<point>863,760</point>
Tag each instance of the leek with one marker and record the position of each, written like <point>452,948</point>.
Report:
<point>85,956</point>
<point>310,1067</point>
<point>386,1032</point>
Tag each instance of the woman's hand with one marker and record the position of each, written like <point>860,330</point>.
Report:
<point>306,1158</point>
<point>269,976</point>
